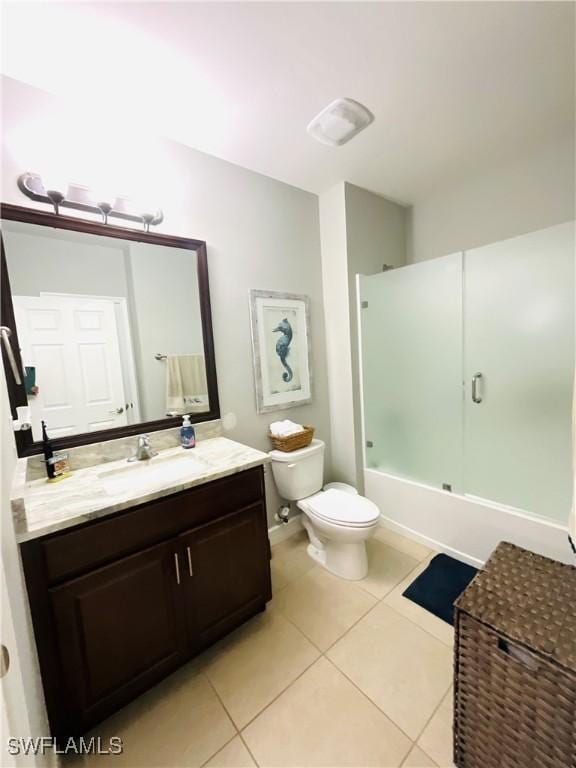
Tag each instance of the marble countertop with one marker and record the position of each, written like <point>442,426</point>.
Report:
<point>39,507</point>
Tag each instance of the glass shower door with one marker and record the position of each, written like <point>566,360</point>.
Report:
<point>519,369</point>
<point>411,327</point>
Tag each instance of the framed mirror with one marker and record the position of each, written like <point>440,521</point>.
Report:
<point>110,329</point>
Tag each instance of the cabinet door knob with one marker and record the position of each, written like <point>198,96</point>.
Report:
<point>190,569</point>
<point>177,564</point>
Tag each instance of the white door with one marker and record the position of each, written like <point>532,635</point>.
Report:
<point>73,343</point>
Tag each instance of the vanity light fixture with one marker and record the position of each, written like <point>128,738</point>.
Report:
<point>77,198</point>
<point>147,218</point>
<point>56,198</point>
<point>105,209</point>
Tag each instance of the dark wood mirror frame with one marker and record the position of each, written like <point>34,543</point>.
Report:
<point>17,393</point>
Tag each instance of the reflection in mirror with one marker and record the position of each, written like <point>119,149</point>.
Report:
<point>110,330</point>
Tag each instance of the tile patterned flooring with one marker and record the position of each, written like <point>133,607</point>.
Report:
<point>333,673</point>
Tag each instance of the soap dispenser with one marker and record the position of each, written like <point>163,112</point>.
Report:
<point>187,435</point>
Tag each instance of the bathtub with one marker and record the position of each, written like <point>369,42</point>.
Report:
<point>466,527</point>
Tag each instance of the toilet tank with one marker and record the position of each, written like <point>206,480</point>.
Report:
<point>298,474</point>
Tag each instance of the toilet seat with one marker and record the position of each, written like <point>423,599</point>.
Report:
<point>342,508</point>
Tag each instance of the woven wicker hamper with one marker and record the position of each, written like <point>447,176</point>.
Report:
<point>515,664</point>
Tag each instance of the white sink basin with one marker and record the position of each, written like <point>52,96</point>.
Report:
<point>152,473</point>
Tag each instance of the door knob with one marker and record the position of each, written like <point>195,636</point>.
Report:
<point>117,410</point>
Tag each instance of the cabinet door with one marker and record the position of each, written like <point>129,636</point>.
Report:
<point>226,573</point>
<point>119,629</point>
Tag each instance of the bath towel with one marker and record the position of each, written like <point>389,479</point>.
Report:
<point>285,428</point>
<point>186,387</point>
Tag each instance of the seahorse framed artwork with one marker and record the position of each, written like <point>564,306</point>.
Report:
<point>281,349</point>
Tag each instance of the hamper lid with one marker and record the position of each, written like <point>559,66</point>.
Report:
<point>528,598</point>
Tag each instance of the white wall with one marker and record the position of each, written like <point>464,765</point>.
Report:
<point>338,343</point>
<point>376,231</point>
<point>37,262</point>
<point>519,195</point>
<point>360,232</point>
<point>260,234</point>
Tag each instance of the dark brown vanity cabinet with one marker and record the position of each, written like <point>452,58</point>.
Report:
<point>118,629</point>
<point>223,574</point>
<point>114,613</point>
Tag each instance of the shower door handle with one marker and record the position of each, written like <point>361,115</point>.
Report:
<point>475,396</point>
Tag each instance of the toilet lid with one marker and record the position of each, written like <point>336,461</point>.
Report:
<point>343,508</point>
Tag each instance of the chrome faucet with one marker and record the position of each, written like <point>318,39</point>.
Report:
<point>143,449</point>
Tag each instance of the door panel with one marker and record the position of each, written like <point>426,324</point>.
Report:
<point>411,321</point>
<point>119,628</point>
<point>226,575</point>
<point>73,343</point>
<point>519,334</point>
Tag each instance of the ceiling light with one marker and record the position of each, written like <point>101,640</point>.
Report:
<point>340,122</point>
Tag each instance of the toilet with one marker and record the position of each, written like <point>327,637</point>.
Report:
<point>338,520</point>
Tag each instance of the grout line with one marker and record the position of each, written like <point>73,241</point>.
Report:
<point>450,646</point>
<point>378,602</point>
<point>257,715</point>
<point>211,684</point>
<point>310,640</point>
<point>239,730</point>
<point>433,714</point>
<point>365,591</point>
<point>224,707</point>
<point>248,749</point>
<point>219,748</point>
<point>300,631</point>
<point>351,627</point>
<point>419,626</point>
<point>365,695</point>
<point>421,750</point>
<point>323,654</point>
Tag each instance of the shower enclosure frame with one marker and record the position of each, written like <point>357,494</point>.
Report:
<point>457,519</point>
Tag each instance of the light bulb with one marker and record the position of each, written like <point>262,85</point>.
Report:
<point>56,187</point>
<point>55,181</point>
<point>102,193</point>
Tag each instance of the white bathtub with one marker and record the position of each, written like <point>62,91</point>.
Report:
<point>463,526</point>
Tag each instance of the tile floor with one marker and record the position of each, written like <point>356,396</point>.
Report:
<point>334,673</point>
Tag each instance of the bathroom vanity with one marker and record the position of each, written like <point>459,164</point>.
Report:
<point>155,576</point>
<point>132,568</point>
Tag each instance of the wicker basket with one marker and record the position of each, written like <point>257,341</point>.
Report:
<point>515,664</point>
<point>293,442</point>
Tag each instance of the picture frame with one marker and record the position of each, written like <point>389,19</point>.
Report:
<point>281,349</point>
